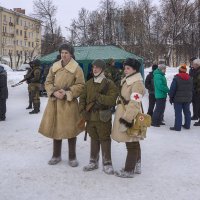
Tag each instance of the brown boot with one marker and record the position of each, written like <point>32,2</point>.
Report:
<point>56,158</point>
<point>131,160</point>
<point>106,156</point>
<point>72,152</point>
<point>132,156</point>
<point>94,156</point>
<point>138,169</point>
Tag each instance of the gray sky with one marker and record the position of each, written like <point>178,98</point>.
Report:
<point>67,10</point>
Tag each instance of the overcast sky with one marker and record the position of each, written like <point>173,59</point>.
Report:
<point>67,9</point>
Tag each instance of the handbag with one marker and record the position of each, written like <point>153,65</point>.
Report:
<point>140,124</point>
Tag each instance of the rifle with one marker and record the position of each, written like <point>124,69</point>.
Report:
<point>19,83</point>
<point>27,76</point>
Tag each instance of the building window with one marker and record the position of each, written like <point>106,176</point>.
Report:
<point>29,44</point>
<point>4,18</point>
<point>32,44</point>
<point>17,42</point>
<point>17,31</point>
<point>21,32</point>
<point>21,22</point>
<point>20,43</point>
<point>25,43</point>
<point>10,19</point>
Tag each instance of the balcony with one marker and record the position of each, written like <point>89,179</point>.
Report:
<point>8,34</point>
<point>25,27</point>
<point>37,40</point>
<point>11,24</point>
<point>25,38</point>
<point>5,22</point>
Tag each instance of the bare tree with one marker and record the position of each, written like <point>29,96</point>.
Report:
<point>45,10</point>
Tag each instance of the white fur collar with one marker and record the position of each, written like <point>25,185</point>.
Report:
<point>71,66</point>
<point>131,79</point>
<point>100,78</point>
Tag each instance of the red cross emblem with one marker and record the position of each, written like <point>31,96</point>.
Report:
<point>141,118</point>
<point>136,97</point>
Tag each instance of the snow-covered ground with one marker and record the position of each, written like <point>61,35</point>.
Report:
<point>170,160</point>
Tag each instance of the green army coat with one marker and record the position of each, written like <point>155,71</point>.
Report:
<point>104,99</point>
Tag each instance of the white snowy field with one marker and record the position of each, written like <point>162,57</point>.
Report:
<point>170,160</point>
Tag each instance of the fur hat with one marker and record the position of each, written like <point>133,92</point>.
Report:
<point>183,68</point>
<point>161,66</point>
<point>99,63</point>
<point>135,64</point>
<point>196,62</point>
<point>68,48</point>
<point>154,67</point>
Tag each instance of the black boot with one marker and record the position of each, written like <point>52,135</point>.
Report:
<point>36,108</point>
<point>56,158</point>
<point>72,152</point>
<point>197,123</point>
<point>94,156</point>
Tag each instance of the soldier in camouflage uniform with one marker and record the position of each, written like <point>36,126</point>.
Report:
<point>28,76</point>
<point>35,86</point>
<point>98,97</point>
<point>113,73</point>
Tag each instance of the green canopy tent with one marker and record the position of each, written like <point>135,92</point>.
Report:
<point>86,54</point>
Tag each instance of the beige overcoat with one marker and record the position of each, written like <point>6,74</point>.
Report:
<point>132,90</point>
<point>61,116</point>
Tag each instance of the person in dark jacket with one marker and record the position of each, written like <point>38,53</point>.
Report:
<point>196,89</point>
<point>191,73</point>
<point>3,93</point>
<point>161,91</point>
<point>149,84</point>
<point>181,96</point>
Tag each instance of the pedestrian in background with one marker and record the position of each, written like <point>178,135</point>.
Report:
<point>161,91</point>
<point>196,89</point>
<point>181,96</point>
<point>3,93</point>
<point>149,85</point>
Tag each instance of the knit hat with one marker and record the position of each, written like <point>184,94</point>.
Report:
<point>68,48</point>
<point>99,63</point>
<point>135,64</point>
<point>161,66</point>
<point>154,67</point>
<point>183,68</point>
<point>196,62</point>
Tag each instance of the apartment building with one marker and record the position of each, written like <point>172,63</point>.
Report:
<point>20,37</point>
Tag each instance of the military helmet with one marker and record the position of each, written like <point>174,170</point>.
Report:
<point>35,62</point>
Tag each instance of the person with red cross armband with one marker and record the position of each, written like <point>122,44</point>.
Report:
<point>132,91</point>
